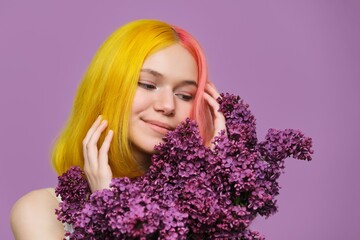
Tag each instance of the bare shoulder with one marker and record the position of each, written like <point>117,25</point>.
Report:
<point>33,216</point>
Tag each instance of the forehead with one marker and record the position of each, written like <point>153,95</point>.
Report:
<point>173,62</point>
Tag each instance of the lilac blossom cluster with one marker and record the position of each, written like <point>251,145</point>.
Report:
<point>190,191</point>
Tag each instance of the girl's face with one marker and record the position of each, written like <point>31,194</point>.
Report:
<point>164,97</point>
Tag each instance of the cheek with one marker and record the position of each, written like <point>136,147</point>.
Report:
<point>139,102</point>
<point>184,112</point>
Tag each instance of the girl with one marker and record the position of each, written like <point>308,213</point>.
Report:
<point>145,79</point>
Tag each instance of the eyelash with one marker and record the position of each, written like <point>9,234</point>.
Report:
<point>184,97</point>
<point>147,86</point>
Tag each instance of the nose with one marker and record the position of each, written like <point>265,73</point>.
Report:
<point>165,102</point>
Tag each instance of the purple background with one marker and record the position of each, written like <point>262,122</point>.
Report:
<point>296,63</point>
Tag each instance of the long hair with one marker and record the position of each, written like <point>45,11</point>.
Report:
<point>108,88</point>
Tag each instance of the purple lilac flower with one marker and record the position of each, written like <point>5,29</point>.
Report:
<point>74,191</point>
<point>190,191</point>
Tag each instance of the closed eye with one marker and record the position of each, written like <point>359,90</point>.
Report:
<point>184,97</point>
<point>147,86</point>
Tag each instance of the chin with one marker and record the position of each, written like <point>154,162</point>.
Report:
<point>145,141</point>
<point>151,148</point>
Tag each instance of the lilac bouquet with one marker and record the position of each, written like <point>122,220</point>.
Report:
<point>190,191</point>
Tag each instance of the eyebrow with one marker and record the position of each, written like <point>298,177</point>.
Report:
<point>159,75</point>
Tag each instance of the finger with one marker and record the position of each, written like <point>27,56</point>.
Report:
<point>92,129</point>
<point>102,178</point>
<point>213,104</point>
<point>91,147</point>
<point>211,89</point>
<point>87,138</point>
<point>213,110</point>
<point>211,83</point>
<point>218,117</point>
<point>103,152</point>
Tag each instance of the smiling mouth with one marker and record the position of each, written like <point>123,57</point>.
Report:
<point>159,127</point>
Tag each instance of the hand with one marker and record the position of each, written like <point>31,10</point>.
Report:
<point>96,164</point>
<point>210,95</point>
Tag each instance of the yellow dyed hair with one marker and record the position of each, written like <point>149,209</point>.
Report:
<point>108,89</point>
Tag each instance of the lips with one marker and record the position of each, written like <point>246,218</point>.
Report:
<point>159,127</point>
